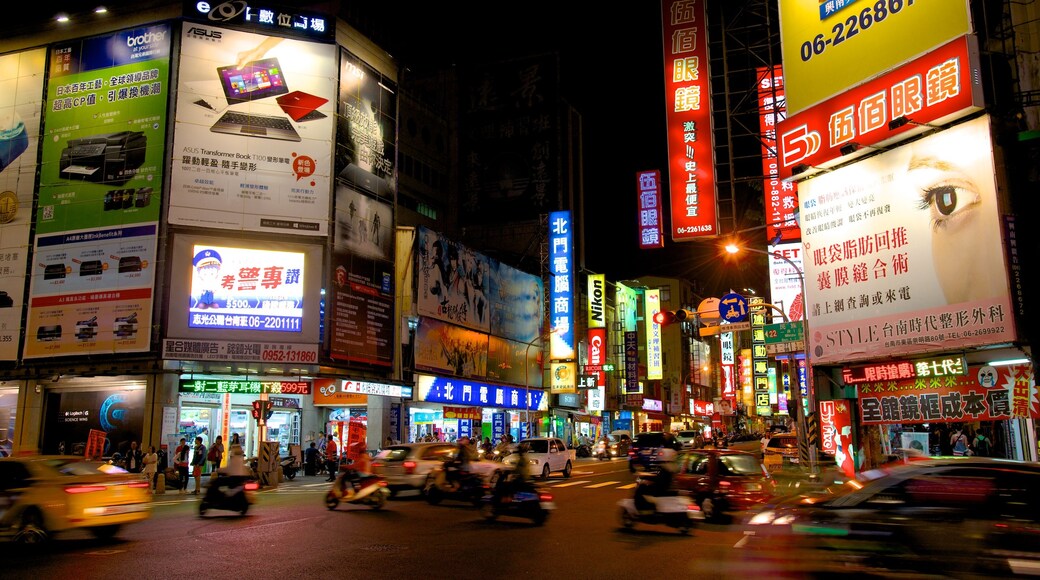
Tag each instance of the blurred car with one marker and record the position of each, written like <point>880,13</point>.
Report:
<point>723,480</point>
<point>691,439</point>
<point>546,455</point>
<point>645,451</point>
<point>45,495</point>
<point>408,465</point>
<point>957,516</point>
<point>781,449</point>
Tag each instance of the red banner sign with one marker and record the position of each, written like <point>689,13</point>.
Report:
<point>691,157</point>
<point>985,394</point>
<point>597,355</point>
<point>836,433</point>
<point>781,196</point>
<point>935,88</point>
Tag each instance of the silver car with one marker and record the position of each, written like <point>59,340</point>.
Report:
<point>408,465</point>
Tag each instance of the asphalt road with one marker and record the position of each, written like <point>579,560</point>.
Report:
<point>290,534</point>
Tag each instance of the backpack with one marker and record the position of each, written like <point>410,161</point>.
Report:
<point>981,445</point>
<point>959,445</point>
<point>213,456</point>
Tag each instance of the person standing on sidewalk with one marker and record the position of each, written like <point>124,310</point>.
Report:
<point>216,454</point>
<point>180,463</point>
<point>331,458</point>
<point>151,464</point>
<point>198,461</point>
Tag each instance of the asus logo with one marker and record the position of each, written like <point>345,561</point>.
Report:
<point>196,31</point>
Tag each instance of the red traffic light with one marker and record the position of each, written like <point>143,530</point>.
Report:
<point>666,317</point>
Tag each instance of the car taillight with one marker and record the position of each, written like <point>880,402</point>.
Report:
<point>84,488</point>
<point>409,467</point>
<point>377,465</point>
<point>692,507</point>
<point>382,483</point>
<point>252,486</point>
<point>724,483</point>
<point>545,497</point>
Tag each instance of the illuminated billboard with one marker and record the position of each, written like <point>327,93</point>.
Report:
<point>781,197</point>
<point>828,47</point>
<point>654,362</point>
<point>691,155</point>
<point>561,286</point>
<point>904,253</point>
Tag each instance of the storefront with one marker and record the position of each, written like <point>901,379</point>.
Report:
<point>373,408</point>
<point>447,407</point>
<point>74,407</point>
<point>8,416</point>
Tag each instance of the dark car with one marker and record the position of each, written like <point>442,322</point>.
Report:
<point>959,517</point>
<point>645,450</point>
<point>723,480</point>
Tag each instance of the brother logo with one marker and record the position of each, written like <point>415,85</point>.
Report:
<point>146,38</point>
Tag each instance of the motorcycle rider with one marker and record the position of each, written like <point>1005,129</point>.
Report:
<point>460,466</point>
<point>517,479</point>
<point>357,469</point>
<point>658,484</point>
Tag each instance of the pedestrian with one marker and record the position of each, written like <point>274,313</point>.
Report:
<point>959,442</point>
<point>236,462</point>
<point>151,465</point>
<point>132,463</point>
<point>389,440</point>
<point>331,458</point>
<point>198,461</point>
<point>215,454</point>
<point>311,457</point>
<point>981,444</point>
<point>180,463</point>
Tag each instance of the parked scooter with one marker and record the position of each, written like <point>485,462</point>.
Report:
<point>447,482</point>
<point>527,501</point>
<point>352,487</point>
<point>675,511</point>
<point>229,492</point>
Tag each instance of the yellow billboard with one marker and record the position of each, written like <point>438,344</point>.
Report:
<point>830,46</point>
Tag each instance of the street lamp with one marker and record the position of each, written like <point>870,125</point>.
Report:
<point>803,432</point>
<point>527,375</point>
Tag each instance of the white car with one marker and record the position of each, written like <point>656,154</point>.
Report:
<point>546,455</point>
<point>408,465</point>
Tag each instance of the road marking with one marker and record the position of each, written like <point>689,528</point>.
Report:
<point>604,484</point>
<point>740,543</point>
<point>629,486</point>
<point>570,483</point>
<point>582,472</point>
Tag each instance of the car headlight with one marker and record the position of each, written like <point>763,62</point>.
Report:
<point>534,462</point>
<point>762,518</point>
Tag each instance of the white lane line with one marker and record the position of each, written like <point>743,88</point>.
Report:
<point>740,543</point>
<point>629,486</point>
<point>570,483</point>
<point>582,472</point>
<point>604,484</point>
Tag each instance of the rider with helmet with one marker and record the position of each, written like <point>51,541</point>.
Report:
<point>660,483</point>
<point>519,477</point>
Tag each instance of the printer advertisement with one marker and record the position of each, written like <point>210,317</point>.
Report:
<point>99,194</point>
<point>105,120</point>
<point>367,128</point>
<point>91,292</point>
<point>21,104</point>
<point>253,136</point>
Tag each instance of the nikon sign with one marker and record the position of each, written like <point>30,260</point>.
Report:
<point>597,299</point>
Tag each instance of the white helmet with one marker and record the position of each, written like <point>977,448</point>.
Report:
<point>667,455</point>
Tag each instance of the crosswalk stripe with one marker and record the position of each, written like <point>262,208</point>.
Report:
<point>570,483</point>
<point>629,486</point>
<point>604,484</point>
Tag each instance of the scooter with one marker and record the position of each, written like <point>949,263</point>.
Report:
<point>526,501</point>
<point>601,451</point>
<point>349,487</point>
<point>229,492</point>
<point>676,511</point>
<point>463,487</point>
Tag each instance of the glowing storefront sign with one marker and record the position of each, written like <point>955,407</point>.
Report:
<point>652,405</point>
<point>825,55</point>
<point>248,387</point>
<point>597,301</point>
<point>651,222</point>
<point>888,371</point>
<point>691,155</point>
<point>654,363</point>
<point>381,389</point>
<point>464,392</point>
<point>561,292</point>
<point>781,197</point>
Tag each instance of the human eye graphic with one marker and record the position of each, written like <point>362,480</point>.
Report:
<point>948,202</point>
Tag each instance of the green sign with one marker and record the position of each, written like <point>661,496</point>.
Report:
<point>784,332</point>
<point>247,387</point>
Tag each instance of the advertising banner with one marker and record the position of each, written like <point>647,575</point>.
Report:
<point>498,427</point>
<point>516,302</point>
<point>452,281</point>
<point>831,46</point>
<point>100,194</point>
<point>836,434</point>
<point>903,251</point>
<point>651,220</point>
<point>465,392</point>
<point>785,279</point>
<point>986,393</point>
<point>450,349</point>
<point>561,288</point>
<point>505,362</point>
<point>598,355</point>
<point>563,377</point>
<point>473,413</point>
<point>781,197</point>
<point>632,362</point>
<point>654,354</point>
<point>597,301</point>
<point>71,416</point>
<point>252,146</point>
<point>936,88</point>
<point>21,104</point>
<point>691,152</point>
<point>366,134</point>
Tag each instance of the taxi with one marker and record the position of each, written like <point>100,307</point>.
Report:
<point>44,495</point>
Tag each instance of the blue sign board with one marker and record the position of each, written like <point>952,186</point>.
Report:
<point>733,308</point>
<point>465,427</point>
<point>561,284</point>
<point>456,391</point>
<point>498,427</point>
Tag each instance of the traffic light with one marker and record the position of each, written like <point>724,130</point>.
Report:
<point>262,410</point>
<point>666,317</point>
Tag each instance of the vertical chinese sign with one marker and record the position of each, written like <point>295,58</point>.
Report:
<point>654,365</point>
<point>651,223</point>
<point>781,197</point>
<point>691,157</point>
<point>561,294</point>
